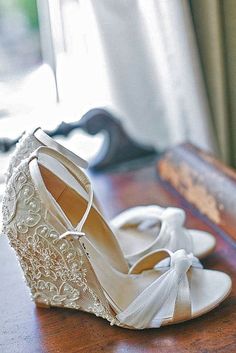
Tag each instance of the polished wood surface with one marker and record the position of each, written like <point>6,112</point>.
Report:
<point>27,329</point>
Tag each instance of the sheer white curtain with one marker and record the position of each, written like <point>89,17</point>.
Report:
<point>139,58</point>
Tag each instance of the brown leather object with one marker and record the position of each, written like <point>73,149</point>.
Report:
<point>204,182</point>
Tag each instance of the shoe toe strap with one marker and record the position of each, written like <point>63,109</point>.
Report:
<point>166,298</point>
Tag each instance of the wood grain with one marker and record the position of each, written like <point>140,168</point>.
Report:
<point>27,329</point>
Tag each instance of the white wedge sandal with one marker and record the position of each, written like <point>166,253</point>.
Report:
<point>71,258</point>
<point>139,230</point>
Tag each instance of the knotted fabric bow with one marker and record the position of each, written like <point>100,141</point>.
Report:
<point>167,297</point>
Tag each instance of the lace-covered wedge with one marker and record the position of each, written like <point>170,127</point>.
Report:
<point>71,258</point>
<point>139,230</point>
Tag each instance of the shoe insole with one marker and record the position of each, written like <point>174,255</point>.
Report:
<point>132,240</point>
<point>74,206</point>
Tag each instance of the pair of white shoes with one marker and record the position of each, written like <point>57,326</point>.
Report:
<point>139,271</point>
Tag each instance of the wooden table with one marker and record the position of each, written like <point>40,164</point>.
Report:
<point>27,329</point>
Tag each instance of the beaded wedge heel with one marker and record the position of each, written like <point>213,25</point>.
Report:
<point>71,258</point>
<point>139,230</point>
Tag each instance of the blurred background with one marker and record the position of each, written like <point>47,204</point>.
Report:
<point>164,70</point>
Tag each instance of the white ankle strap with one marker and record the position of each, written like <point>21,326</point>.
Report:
<point>77,173</point>
<point>48,141</point>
